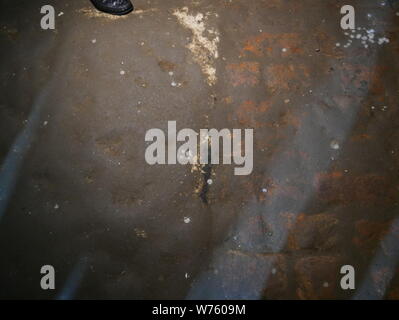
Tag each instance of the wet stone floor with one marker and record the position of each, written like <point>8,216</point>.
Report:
<point>77,193</point>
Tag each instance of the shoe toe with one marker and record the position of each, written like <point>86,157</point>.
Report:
<point>117,7</point>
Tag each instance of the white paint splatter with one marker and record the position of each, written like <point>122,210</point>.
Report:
<point>366,37</point>
<point>204,49</point>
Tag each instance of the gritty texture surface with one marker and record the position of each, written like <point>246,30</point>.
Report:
<point>324,191</point>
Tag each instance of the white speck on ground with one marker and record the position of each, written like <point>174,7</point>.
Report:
<point>264,190</point>
<point>173,84</point>
<point>325,284</point>
<point>383,40</point>
<point>334,145</point>
<point>56,207</point>
<point>45,123</point>
<point>210,181</point>
<point>187,220</point>
<point>93,41</point>
<point>274,271</point>
<point>61,14</point>
<point>122,72</point>
<point>187,275</point>
<point>284,49</point>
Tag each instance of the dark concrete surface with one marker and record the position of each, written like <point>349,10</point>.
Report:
<point>77,194</point>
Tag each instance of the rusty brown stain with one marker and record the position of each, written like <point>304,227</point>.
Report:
<point>288,219</point>
<point>367,189</point>
<point>283,77</point>
<point>369,233</point>
<point>393,293</point>
<point>166,66</point>
<point>311,272</point>
<point>360,137</point>
<point>317,232</point>
<point>265,42</point>
<point>326,45</point>
<point>248,113</point>
<point>244,73</point>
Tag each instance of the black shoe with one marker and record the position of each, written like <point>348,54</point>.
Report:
<point>117,7</point>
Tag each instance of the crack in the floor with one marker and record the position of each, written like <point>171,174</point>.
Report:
<point>206,174</point>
